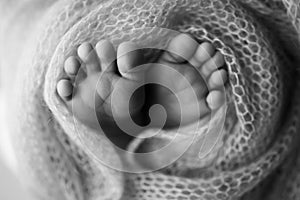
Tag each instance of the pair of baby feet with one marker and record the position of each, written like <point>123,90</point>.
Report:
<point>100,80</point>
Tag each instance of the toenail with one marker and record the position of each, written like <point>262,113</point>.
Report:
<point>207,48</point>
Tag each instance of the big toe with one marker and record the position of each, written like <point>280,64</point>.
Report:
<point>107,56</point>
<point>180,49</point>
<point>204,52</point>
<point>129,57</point>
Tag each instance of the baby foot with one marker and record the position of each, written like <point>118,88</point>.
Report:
<point>88,89</point>
<point>204,76</point>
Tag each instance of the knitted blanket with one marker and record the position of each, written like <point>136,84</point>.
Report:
<point>255,154</point>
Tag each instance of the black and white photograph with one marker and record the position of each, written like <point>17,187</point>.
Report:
<point>150,99</point>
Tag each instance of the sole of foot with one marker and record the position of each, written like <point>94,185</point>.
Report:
<point>99,79</point>
<point>192,76</point>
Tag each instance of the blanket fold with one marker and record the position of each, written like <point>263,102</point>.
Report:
<point>254,137</point>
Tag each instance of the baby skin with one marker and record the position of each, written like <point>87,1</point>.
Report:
<point>99,79</point>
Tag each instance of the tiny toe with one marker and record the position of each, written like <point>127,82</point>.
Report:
<point>129,57</point>
<point>215,99</point>
<point>181,48</point>
<point>71,66</point>
<point>203,53</point>
<point>84,51</point>
<point>107,55</point>
<point>212,64</point>
<point>64,88</point>
<point>89,57</point>
<point>217,79</point>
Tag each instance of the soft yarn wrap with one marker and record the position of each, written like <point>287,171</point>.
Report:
<point>257,157</point>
